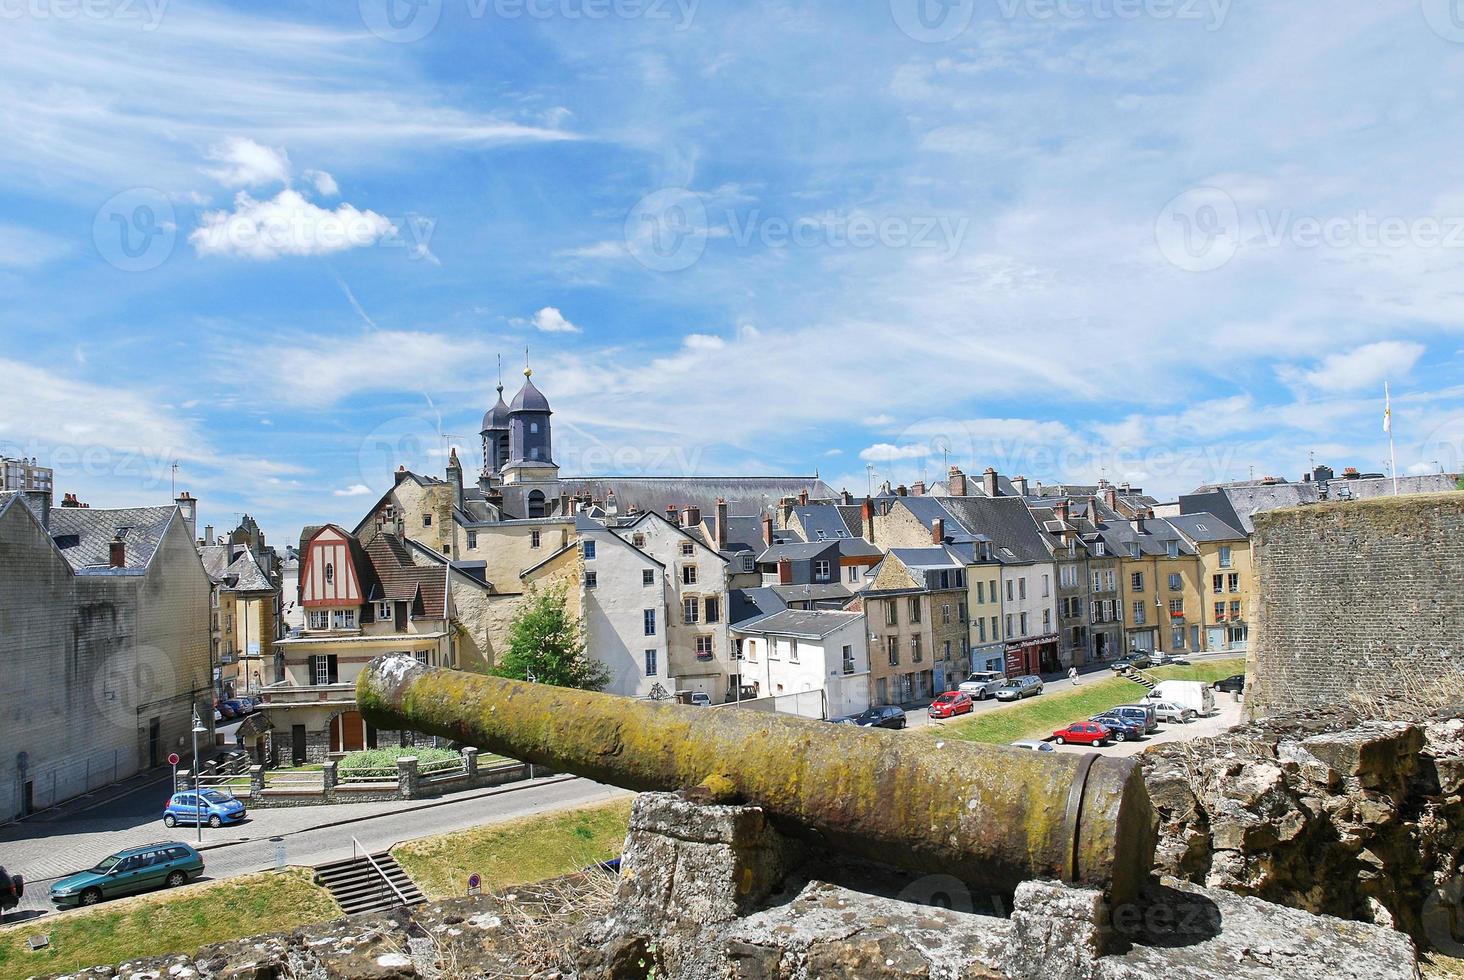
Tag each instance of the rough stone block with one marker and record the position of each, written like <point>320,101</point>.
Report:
<point>1377,754</point>
<point>1057,931</point>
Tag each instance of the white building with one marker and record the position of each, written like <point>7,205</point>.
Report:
<point>624,608</point>
<point>698,650</point>
<point>813,663</point>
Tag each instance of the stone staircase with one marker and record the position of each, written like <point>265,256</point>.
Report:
<point>358,886</point>
<point>1139,677</point>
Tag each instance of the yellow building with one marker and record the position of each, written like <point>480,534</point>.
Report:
<point>1160,576</point>
<point>1225,575</point>
<point>243,619</point>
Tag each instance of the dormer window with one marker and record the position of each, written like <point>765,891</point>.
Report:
<point>1174,549</point>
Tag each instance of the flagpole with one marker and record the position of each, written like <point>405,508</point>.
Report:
<point>1388,428</point>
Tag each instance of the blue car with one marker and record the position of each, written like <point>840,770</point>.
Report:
<point>207,806</point>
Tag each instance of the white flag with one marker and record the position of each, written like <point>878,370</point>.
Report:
<point>1387,409</point>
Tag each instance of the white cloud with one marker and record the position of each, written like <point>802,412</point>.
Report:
<point>1363,367</point>
<point>550,320</point>
<point>884,452</point>
<point>358,490</point>
<point>26,248</point>
<point>703,341</point>
<point>286,225</point>
<point>246,163</point>
<point>340,366</point>
<point>879,421</point>
<point>325,184</point>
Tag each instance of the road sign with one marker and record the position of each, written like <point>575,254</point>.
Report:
<point>475,883</point>
<point>173,758</point>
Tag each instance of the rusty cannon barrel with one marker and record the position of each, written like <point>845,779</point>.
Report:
<point>991,816</point>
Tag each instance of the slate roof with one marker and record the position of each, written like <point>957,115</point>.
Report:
<point>496,418</point>
<point>242,574</point>
<point>529,399</point>
<point>823,592</point>
<point>1154,541</point>
<point>1205,527</point>
<point>829,519</point>
<point>1238,506</point>
<point>798,551</point>
<point>1004,521</point>
<point>84,534</point>
<point>745,495</point>
<point>811,623</point>
<point>745,605</point>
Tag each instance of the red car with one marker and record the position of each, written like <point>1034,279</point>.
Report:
<point>1083,733</point>
<point>950,704</point>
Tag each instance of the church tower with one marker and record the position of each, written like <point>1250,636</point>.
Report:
<point>530,476</point>
<point>495,438</point>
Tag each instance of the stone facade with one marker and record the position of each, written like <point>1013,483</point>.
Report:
<point>1355,597</point>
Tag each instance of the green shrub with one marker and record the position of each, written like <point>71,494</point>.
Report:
<point>378,762</point>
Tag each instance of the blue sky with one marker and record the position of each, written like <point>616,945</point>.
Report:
<point>1164,241</point>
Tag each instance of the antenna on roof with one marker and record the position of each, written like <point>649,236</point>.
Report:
<point>869,468</point>
<point>175,479</point>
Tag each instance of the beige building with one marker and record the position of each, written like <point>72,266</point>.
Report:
<point>918,619</point>
<point>243,624</point>
<point>1225,576</point>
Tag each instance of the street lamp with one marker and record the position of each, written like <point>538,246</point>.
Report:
<point>198,730</point>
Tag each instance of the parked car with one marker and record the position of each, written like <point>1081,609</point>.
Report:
<point>700,699</point>
<point>1123,729</point>
<point>226,709</point>
<point>1231,685</point>
<point>1187,694</point>
<point>983,684</point>
<point>1083,733</point>
<point>1136,660</point>
<point>1142,715</point>
<point>12,890</point>
<point>218,715</point>
<point>1028,686</point>
<point>249,704</point>
<point>883,716</point>
<point>1033,745</point>
<point>237,706</point>
<point>209,806</point>
<point>1168,711</point>
<point>952,703</point>
<point>137,869</point>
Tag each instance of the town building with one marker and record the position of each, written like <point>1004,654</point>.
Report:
<point>1225,567</point>
<point>19,474</point>
<point>243,627</point>
<point>918,619</point>
<point>1236,504</point>
<point>106,621</point>
<point>813,663</point>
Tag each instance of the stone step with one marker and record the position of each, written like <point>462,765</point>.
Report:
<point>357,886</point>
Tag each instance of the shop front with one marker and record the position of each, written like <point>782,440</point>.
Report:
<point>1033,655</point>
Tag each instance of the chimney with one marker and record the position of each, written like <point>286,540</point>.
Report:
<point>69,500</point>
<point>957,482</point>
<point>803,497</point>
<point>1019,484</point>
<point>188,507</point>
<point>1141,521</point>
<point>117,553</point>
<point>937,532</point>
<point>918,490</point>
<point>691,516</point>
<point>1110,497</point>
<point>1061,510</point>
<point>866,520</point>
<point>673,515</point>
<point>208,534</point>
<point>767,526</point>
<point>785,571</point>
<point>990,484</point>
<point>721,529</point>
<point>40,501</point>
<point>848,498</point>
<point>902,491</point>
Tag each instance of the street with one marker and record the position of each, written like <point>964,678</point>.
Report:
<point>76,838</point>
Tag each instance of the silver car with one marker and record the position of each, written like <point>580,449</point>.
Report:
<point>1168,711</point>
<point>983,684</point>
<point>1017,688</point>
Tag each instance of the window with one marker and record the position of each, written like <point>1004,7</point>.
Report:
<point>534,539</point>
<point>1173,549</point>
<point>648,620</point>
<point>688,574</point>
<point>749,563</point>
<point>650,663</point>
<point>1225,556</point>
<point>1046,620</point>
<point>421,657</point>
<point>914,610</point>
<point>916,654</point>
<point>1022,587</point>
<point>343,619</point>
<point>690,610</point>
<point>589,549</point>
<point>534,428</point>
<point>1220,610</point>
<point>960,578</point>
<point>1176,637</point>
<point>329,571</point>
<point>1141,614</point>
<point>1176,582</point>
<point>945,579</point>
<point>995,633</point>
<point>384,613</point>
<point>320,619</point>
<point>1235,610</point>
<point>945,614</point>
<point>1024,624</point>
<point>1176,608</point>
<point>1008,624</point>
<point>848,659</point>
<point>713,610</point>
<point>1010,589</point>
<point>472,540</point>
<point>648,577</point>
<point>1110,581</point>
<point>426,520</point>
<point>1097,582</point>
<point>821,571</point>
<point>994,593</point>
<point>1136,582</point>
<point>980,593</point>
<point>1098,549</point>
<point>892,613</point>
<point>639,540</point>
<point>323,670</point>
<point>853,574</point>
<point>592,580</point>
<point>1046,585</point>
<point>1218,583</point>
<point>1134,549</point>
<point>704,648</point>
<point>1234,582</point>
<point>961,611</point>
<point>792,651</point>
<point>1068,576</point>
<point>687,549</point>
<point>892,644</point>
<point>981,631</point>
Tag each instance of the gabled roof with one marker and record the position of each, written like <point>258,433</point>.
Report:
<point>241,574</point>
<point>1004,521</point>
<point>399,580</point>
<point>814,592</point>
<point>697,539</point>
<point>84,534</point>
<point>745,605</point>
<point>826,522</point>
<point>798,551</point>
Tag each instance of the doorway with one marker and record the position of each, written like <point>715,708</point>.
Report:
<point>297,744</point>
<point>154,743</point>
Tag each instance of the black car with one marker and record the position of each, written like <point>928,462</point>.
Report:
<point>884,716</point>
<point>12,890</point>
<point>1231,685</point>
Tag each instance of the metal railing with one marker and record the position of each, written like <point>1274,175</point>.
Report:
<point>355,845</point>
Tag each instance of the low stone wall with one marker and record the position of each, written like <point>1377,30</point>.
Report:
<point>1323,811</point>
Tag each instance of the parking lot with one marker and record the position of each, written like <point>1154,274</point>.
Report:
<point>1227,715</point>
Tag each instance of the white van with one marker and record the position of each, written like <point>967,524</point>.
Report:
<point>1186,694</point>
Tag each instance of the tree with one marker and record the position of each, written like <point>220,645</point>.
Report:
<point>546,642</point>
<point>1459,483</point>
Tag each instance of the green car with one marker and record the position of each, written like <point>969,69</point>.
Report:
<point>137,869</point>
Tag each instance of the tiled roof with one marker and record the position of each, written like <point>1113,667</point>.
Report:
<point>399,580</point>
<point>797,551</point>
<point>84,534</point>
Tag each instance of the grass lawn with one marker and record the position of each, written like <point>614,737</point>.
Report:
<point>1042,715</point>
<point>517,852</point>
<point>159,923</point>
